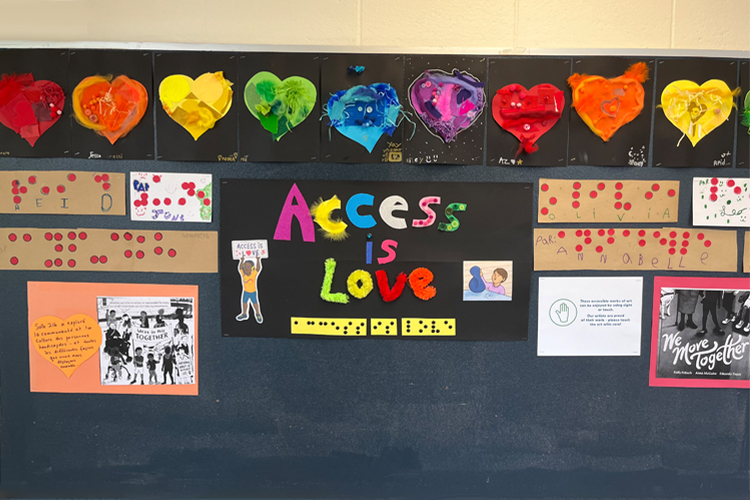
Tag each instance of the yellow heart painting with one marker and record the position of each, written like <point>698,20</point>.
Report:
<point>196,104</point>
<point>697,109</point>
<point>66,343</point>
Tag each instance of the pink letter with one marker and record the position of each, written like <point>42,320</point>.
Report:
<point>390,247</point>
<point>301,211</point>
<point>424,204</point>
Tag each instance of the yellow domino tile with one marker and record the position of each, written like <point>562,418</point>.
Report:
<point>428,327</point>
<point>344,327</point>
<point>384,326</point>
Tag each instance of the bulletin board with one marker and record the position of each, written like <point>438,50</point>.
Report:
<point>374,417</point>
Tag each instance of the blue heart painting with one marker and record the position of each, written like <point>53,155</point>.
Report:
<point>365,112</point>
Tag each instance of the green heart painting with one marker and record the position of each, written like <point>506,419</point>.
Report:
<point>279,105</point>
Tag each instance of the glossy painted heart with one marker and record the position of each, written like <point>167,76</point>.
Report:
<point>528,114</point>
<point>365,112</point>
<point>279,105</point>
<point>29,107</point>
<point>67,344</point>
<point>447,103</point>
<point>606,104</point>
<point>196,104</point>
<point>697,109</point>
<point>111,108</point>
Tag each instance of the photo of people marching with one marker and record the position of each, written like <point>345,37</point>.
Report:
<point>146,340</point>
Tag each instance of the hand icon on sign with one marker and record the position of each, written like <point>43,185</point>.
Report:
<point>563,312</point>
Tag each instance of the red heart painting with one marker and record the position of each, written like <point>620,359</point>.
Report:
<point>528,114</point>
<point>30,107</point>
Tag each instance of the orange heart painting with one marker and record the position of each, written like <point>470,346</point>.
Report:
<point>606,104</point>
<point>66,343</point>
<point>109,107</point>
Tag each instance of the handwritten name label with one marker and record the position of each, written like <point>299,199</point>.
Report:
<point>66,343</point>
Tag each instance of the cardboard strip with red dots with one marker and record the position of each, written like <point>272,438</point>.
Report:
<point>665,249</point>
<point>570,200</point>
<point>37,249</point>
<point>62,192</point>
<point>746,254</point>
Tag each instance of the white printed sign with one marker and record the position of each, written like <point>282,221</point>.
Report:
<point>590,316</point>
<point>721,201</point>
<point>170,197</point>
<point>250,248</point>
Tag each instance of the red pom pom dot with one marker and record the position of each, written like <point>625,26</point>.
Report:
<point>58,262</point>
<point>671,193</point>
<point>158,250</point>
<point>576,203</point>
<point>649,195</point>
<point>158,236</point>
<point>48,263</point>
<point>561,234</point>
<point>103,259</point>
<point>127,236</point>
<point>72,177</point>
<point>139,254</point>
<point>707,243</point>
<point>600,186</point>
<point>641,233</point>
<point>627,206</point>
<point>593,194</point>
<point>71,263</point>
<point>579,248</point>
<point>128,253</point>
<point>14,260</point>
<point>545,210</point>
<point>172,252</point>
<point>114,236</point>
<point>60,188</point>
<point>642,243</point>
<point>13,237</point>
<point>576,185</point>
<point>618,185</point>
<point>32,179</point>
<point>94,259</point>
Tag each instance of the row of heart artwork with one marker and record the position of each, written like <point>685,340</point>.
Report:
<point>446,103</point>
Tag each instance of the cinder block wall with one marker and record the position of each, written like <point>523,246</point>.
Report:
<point>514,25</point>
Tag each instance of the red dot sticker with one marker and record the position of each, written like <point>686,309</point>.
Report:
<point>58,248</point>
<point>82,235</point>
<point>24,190</point>
<point>685,243</point>
<point>14,260</point>
<point>167,201</point>
<point>641,233</point>
<point>576,204</point>
<point>103,259</point>
<point>737,190</point>
<point>71,263</point>
<point>128,253</point>
<point>611,232</point>
<point>71,235</point>
<point>561,234</point>
<point>655,187</point>
<point>158,236</point>
<point>602,232</point>
<point>48,236</point>
<point>184,185</point>
<point>618,185</point>
<point>672,251</point>
<point>671,193</point>
<point>182,201</point>
<point>16,200</point>
<point>15,183</point>
<point>32,179</point>
<point>139,254</point>
<point>27,237</point>
<point>545,188</point>
<point>105,177</point>
<point>686,235</point>
<point>618,195</point>
<point>94,259</point>
<point>714,181</point>
<point>730,182</point>
<point>48,263</point>
<point>58,237</point>
<point>618,205</point>
<point>114,236</point>
<point>158,250</point>
<point>545,210</point>
<point>627,206</point>
<point>593,194</point>
<point>144,196</point>
<point>45,190</point>
<point>60,188</point>
<point>672,243</point>
<point>610,240</point>
<point>98,178</point>
<point>13,237</point>
<point>15,191</point>
<point>576,195</point>
<point>207,202</point>
<point>72,248</point>
<point>72,177</point>
<point>683,251</point>
<point>714,189</point>
<point>700,236</point>
<point>649,195</point>
<point>141,239</point>
<point>127,236</point>
<point>642,243</point>
<point>172,252</point>
<point>579,248</point>
<point>587,232</point>
<point>587,241</point>
<point>156,202</point>
<point>707,243</point>
<point>201,194</point>
<point>600,186</point>
<point>106,186</point>
<point>157,178</point>
<point>663,241</point>
<point>626,232</point>
<point>599,249</point>
<point>673,234</point>
<point>713,197</point>
<point>576,185</point>
<point>657,234</point>
<point>191,192</point>
<point>552,201</point>
<point>58,262</point>
<point>579,233</point>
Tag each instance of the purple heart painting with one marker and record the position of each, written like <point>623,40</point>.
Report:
<point>447,103</point>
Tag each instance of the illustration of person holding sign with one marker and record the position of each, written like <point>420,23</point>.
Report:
<point>249,272</point>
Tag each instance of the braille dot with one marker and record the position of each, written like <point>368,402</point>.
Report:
<point>618,195</point>
<point>600,186</point>
<point>60,188</point>
<point>545,187</point>
<point>685,243</point>
<point>576,185</point>
<point>72,177</point>
<point>14,260</point>
<point>672,251</point>
<point>128,253</point>
<point>700,236</point>
<point>610,240</point>
<point>94,259</point>
<point>707,243</point>
<point>587,232</point>
<point>627,206</point>
<point>618,185</point>
<point>683,251</point>
<point>587,241</point>
<point>649,195</point>
<point>114,236</point>
<point>127,236</point>
<point>139,254</point>
<point>72,248</point>
<point>579,248</point>
<point>13,237</point>
<point>714,181</point>
<point>672,243</point>
<point>601,232</point>
<point>32,179</point>
<point>618,205</point>
<point>58,248</point>
<point>48,263</point>
<point>642,243</point>
<point>579,233</point>
<point>58,236</point>
<point>686,235</point>
<point>641,233</point>
<point>172,252</point>
<point>71,263</point>
<point>593,194</point>
<point>561,234</point>
<point>58,262</point>
<point>576,195</point>
<point>141,239</point>
<point>576,204</point>
<point>671,193</point>
<point>545,210</point>
<point>663,241</point>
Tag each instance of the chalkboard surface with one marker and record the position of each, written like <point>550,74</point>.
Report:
<point>365,418</point>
